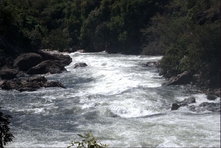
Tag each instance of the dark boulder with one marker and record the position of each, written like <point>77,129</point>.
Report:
<point>48,66</point>
<point>80,64</point>
<point>211,97</point>
<point>180,79</point>
<point>27,60</point>
<point>8,73</point>
<point>175,106</point>
<point>50,55</point>
<point>29,84</point>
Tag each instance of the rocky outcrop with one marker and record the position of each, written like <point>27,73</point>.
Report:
<point>27,60</point>
<point>80,64</point>
<point>183,78</point>
<point>32,63</point>
<point>185,102</point>
<point>48,66</point>
<point>29,84</point>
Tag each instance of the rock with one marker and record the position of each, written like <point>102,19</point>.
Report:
<point>185,102</point>
<point>27,60</point>
<point>192,108</point>
<point>8,73</point>
<point>183,78</point>
<point>81,51</point>
<point>49,55</point>
<point>30,84</point>
<point>54,84</point>
<point>217,92</point>
<point>175,106</point>
<point>151,64</point>
<point>1,82</point>
<point>188,101</point>
<point>80,64</point>
<point>214,107</point>
<point>48,66</point>
<point>211,97</point>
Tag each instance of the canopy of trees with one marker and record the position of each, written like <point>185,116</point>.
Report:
<point>189,32</point>
<point>94,25</point>
<point>186,32</point>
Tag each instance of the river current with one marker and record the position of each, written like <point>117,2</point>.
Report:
<point>118,100</point>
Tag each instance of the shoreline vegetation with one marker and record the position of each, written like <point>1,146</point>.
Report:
<point>186,33</point>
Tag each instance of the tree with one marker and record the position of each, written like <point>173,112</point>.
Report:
<point>5,134</point>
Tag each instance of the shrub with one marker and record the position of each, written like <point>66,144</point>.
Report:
<point>88,141</point>
<point>5,134</point>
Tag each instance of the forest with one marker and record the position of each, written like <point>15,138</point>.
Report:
<point>187,32</point>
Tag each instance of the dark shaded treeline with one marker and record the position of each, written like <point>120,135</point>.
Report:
<point>94,25</point>
<point>187,32</point>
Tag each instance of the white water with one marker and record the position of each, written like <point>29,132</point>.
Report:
<point>118,100</point>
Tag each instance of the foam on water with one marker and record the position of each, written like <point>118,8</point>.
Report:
<point>116,98</point>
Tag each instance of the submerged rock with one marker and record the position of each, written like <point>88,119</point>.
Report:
<point>185,102</point>
<point>214,107</point>
<point>80,64</point>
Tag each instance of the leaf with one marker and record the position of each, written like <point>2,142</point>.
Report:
<point>80,135</point>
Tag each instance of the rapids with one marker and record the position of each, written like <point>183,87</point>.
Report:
<point>117,99</point>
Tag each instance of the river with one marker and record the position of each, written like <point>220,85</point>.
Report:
<point>118,100</point>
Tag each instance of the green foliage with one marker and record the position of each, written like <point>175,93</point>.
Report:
<point>94,25</point>
<point>88,141</point>
<point>190,34</point>
<point>5,134</point>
